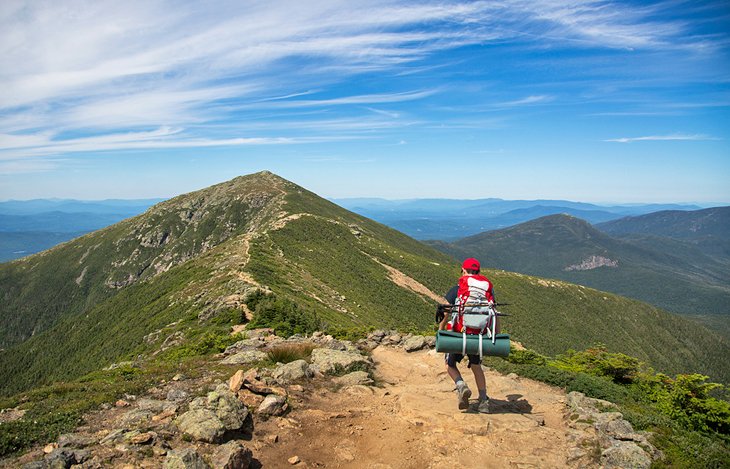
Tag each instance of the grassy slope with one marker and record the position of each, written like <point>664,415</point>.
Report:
<point>667,273</point>
<point>330,263</point>
<point>73,277</point>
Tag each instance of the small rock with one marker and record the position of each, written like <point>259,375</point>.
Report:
<point>176,395</point>
<point>121,403</point>
<point>143,438</point>
<point>272,438</point>
<point>412,344</point>
<point>232,455</point>
<point>293,371</point>
<point>296,388</point>
<point>48,449</point>
<point>186,458</point>
<point>178,377</point>
<point>272,405</point>
<point>250,398</point>
<point>235,383</point>
<point>294,460</point>
<point>75,440</point>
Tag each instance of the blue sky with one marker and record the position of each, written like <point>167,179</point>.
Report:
<point>590,101</point>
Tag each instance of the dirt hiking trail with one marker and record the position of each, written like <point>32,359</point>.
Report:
<point>412,421</point>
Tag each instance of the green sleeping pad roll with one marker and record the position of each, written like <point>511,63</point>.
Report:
<point>453,342</point>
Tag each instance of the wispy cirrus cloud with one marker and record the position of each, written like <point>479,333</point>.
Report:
<point>660,138</point>
<point>127,73</point>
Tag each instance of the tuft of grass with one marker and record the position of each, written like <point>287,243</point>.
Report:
<point>288,353</point>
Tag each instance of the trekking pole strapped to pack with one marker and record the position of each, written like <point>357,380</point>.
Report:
<point>474,316</point>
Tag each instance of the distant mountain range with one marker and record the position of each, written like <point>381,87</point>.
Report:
<point>31,226</point>
<point>188,266</point>
<point>677,260</point>
<point>451,219</point>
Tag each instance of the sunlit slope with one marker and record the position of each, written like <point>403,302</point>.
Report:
<point>345,269</point>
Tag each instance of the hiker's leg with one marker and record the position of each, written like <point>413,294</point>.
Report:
<point>476,367</point>
<point>479,378</point>
<point>451,369</point>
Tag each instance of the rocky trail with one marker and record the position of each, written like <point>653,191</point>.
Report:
<point>412,421</point>
<point>387,409</point>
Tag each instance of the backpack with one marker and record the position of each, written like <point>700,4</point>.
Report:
<point>475,303</point>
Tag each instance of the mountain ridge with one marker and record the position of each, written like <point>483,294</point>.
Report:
<point>189,266</point>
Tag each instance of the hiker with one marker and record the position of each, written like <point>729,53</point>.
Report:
<point>474,288</point>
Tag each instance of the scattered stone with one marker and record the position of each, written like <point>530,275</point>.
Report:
<point>178,377</point>
<point>264,389</point>
<point>412,344</point>
<point>153,405</point>
<point>75,440</point>
<point>210,417</point>
<point>293,371</point>
<point>296,388</point>
<point>250,398</point>
<point>262,332</point>
<point>143,438</point>
<point>246,357</point>
<point>202,425</point>
<point>353,379</point>
<point>232,455</point>
<point>235,383</point>
<point>272,405</point>
<point>243,345</point>
<point>115,436</point>
<point>624,454</point>
<point>48,449</point>
<point>134,418</point>
<point>61,458</point>
<point>430,341</point>
<point>177,395</point>
<point>186,458</point>
<point>272,438</point>
<point>11,415</point>
<point>328,361</point>
<point>294,460</point>
<point>121,403</point>
<point>251,375</point>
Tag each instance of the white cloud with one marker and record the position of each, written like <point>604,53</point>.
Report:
<point>694,137</point>
<point>131,71</point>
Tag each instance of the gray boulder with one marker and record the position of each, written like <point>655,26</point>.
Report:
<point>293,371</point>
<point>202,425</point>
<point>328,361</point>
<point>625,455</point>
<point>232,455</point>
<point>186,458</point>
<point>412,344</point>
<point>210,417</point>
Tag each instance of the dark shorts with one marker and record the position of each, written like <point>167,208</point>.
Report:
<point>453,358</point>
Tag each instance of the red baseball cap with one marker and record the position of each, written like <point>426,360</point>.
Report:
<point>471,264</point>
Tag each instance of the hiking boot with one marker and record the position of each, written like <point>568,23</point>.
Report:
<point>464,395</point>
<point>483,406</point>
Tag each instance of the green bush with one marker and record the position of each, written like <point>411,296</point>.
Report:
<point>598,361</point>
<point>687,400</point>
<point>280,314</point>
<point>524,357</point>
<point>205,344</point>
